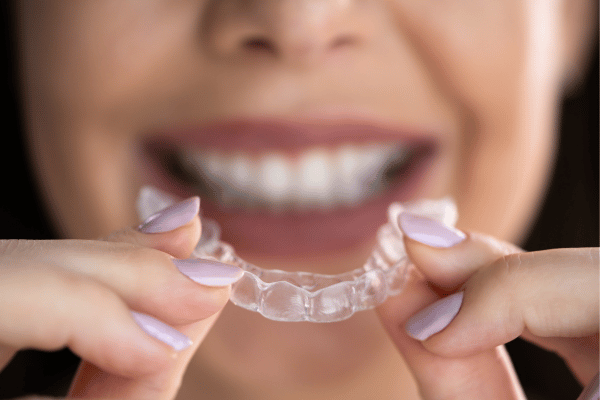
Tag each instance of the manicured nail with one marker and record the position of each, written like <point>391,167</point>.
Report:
<point>592,390</point>
<point>429,231</point>
<point>435,317</point>
<point>208,272</point>
<point>162,331</point>
<point>171,217</point>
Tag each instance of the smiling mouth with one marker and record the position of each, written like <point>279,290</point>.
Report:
<point>315,179</point>
<point>288,189</point>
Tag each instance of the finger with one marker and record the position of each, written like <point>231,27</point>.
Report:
<point>150,281</point>
<point>487,375</point>
<point>550,293</point>
<point>445,255</point>
<point>47,310</point>
<point>91,381</point>
<point>174,230</point>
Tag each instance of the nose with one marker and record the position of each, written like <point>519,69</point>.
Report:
<point>299,32</point>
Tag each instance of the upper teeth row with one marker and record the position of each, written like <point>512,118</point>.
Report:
<point>316,178</point>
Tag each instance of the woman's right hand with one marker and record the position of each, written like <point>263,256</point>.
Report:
<point>81,294</point>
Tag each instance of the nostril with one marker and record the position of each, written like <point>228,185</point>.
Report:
<point>258,44</point>
<point>343,41</point>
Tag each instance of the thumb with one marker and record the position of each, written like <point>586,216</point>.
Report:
<point>91,382</point>
<point>485,375</point>
<point>548,297</point>
<point>174,230</point>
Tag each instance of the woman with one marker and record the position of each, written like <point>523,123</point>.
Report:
<point>456,100</point>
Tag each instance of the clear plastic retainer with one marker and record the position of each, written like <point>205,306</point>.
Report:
<point>302,296</point>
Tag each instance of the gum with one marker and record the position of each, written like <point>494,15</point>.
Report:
<point>301,296</point>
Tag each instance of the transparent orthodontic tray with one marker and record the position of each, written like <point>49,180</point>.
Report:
<point>302,296</point>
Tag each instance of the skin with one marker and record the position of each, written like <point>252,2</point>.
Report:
<point>98,76</point>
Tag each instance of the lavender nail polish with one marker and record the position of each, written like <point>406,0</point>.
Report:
<point>161,331</point>
<point>435,317</point>
<point>171,217</point>
<point>208,272</point>
<point>429,231</point>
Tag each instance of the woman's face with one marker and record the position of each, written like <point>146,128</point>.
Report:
<point>297,122</point>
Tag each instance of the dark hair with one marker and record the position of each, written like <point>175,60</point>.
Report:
<point>569,218</point>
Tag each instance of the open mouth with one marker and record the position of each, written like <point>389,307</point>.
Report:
<point>315,179</point>
<point>288,189</point>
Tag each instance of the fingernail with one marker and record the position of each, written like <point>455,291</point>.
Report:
<point>162,331</point>
<point>429,231</point>
<point>171,217</point>
<point>592,390</point>
<point>208,272</point>
<point>435,317</point>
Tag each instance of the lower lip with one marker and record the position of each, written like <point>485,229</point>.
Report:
<point>294,235</point>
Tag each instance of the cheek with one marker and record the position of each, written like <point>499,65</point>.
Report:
<point>504,176</point>
<point>109,183</point>
<point>510,152</point>
<point>498,70</point>
<point>79,109</point>
<point>88,180</point>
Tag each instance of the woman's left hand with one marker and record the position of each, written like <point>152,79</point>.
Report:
<point>486,293</point>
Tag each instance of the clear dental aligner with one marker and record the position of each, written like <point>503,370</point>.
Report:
<point>301,296</point>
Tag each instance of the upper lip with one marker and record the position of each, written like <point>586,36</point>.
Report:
<point>288,136</point>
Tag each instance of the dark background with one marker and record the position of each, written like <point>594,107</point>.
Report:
<point>569,218</point>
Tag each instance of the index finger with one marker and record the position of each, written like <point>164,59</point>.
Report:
<point>552,293</point>
<point>446,256</point>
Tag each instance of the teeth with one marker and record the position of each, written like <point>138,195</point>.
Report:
<point>238,175</point>
<point>315,179</point>
<point>240,169</point>
<point>315,172</point>
<point>275,179</point>
<point>349,189</point>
